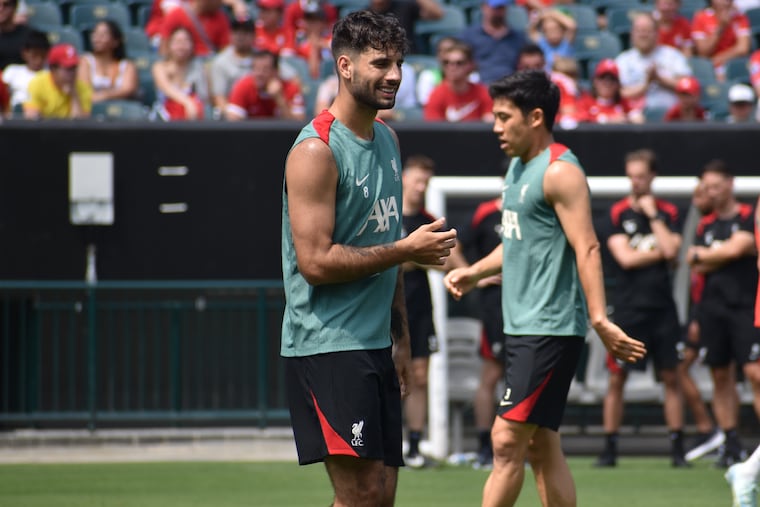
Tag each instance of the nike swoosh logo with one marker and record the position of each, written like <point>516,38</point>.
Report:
<point>360,182</point>
<point>504,403</point>
<point>455,114</point>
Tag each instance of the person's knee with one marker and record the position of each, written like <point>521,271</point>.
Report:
<point>752,374</point>
<point>722,377</point>
<point>510,441</point>
<point>617,383</point>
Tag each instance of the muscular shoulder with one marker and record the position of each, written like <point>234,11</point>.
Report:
<point>563,180</point>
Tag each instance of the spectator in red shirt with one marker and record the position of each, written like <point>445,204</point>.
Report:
<point>263,94</point>
<point>456,99</point>
<point>271,34</point>
<point>687,108</point>
<point>204,19</point>
<point>294,21</point>
<point>605,104</point>
<point>672,28</point>
<point>313,44</point>
<point>572,98</point>
<point>720,33</point>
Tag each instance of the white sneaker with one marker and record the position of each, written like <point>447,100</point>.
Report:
<point>416,461</point>
<point>743,486</point>
<point>715,441</point>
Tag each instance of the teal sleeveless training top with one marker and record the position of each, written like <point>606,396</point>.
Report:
<point>541,292</point>
<point>353,315</point>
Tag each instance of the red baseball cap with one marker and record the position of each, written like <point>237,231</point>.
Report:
<point>271,4</point>
<point>607,66</point>
<point>63,55</point>
<point>688,85</point>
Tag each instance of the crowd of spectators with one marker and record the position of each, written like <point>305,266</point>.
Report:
<point>173,60</point>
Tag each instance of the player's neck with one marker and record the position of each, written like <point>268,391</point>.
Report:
<point>358,118</point>
<point>728,210</point>
<point>543,140</point>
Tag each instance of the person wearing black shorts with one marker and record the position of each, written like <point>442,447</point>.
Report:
<point>552,284</point>
<point>724,252</point>
<point>644,242</point>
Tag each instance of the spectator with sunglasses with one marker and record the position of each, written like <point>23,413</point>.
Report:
<point>457,99</point>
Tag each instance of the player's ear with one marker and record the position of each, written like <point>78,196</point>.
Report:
<point>536,117</point>
<point>345,66</point>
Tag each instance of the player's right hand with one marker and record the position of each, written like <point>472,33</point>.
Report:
<point>429,245</point>
<point>459,282</point>
<point>619,344</point>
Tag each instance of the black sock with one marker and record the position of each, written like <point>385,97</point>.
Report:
<point>610,445</point>
<point>484,438</point>
<point>676,442</point>
<point>414,442</point>
<point>732,439</point>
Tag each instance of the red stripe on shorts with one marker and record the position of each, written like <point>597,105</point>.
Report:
<point>335,444</point>
<point>522,410</point>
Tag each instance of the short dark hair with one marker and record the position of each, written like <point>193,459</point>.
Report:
<point>265,53</point>
<point>529,90</point>
<point>530,49</point>
<point>36,40</point>
<point>362,30</point>
<point>717,166</point>
<point>644,155</point>
<point>421,161</point>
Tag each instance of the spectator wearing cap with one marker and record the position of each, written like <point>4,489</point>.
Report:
<point>495,44</point>
<point>264,94</point>
<point>12,34</point>
<point>409,12</point>
<point>673,29</point>
<point>232,63</point>
<point>720,33</point>
<point>206,22</point>
<point>313,44</point>
<point>648,70</point>
<point>271,34</point>
<point>56,92</point>
<point>741,103</point>
<point>606,104</point>
<point>687,108</point>
<point>294,14</point>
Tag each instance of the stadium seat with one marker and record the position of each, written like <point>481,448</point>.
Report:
<point>134,7</point>
<point>84,17</point>
<point>517,17</point>
<point>409,113</point>
<point>596,46</point>
<point>143,15</point>
<point>605,5</point>
<point>464,363</point>
<point>119,110</point>
<point>737,70</point>
<point>421,62</point>
<point>453,22</point>
<point>135,41</point>
<point>44,16</point>
<point>619,21</point>
<point>67,35</point>
<point>703,70</point>
<point>584,16</point>
<point>67,5</point>
<point>714,98</point>
<point>654,114</point>
<point>144,63</point>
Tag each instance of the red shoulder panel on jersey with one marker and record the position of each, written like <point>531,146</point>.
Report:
<point>705,221</point>
<point>555,151</point>
<point>745,210</point>
<point>485,209</point>
<point>669,208</point>
<point>618,208</point>
<point>322,124</point>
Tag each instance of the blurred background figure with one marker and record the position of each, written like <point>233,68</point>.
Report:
<point>107,69</point>
<point>688,107</point>
<point>56,92</point>
<point>741,104</point>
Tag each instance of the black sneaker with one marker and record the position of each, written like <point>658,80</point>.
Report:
<point>730,455</point>
<point>606,460</point>
<point>705,444</point>
<point>484,460</point>
<point>678,461</point>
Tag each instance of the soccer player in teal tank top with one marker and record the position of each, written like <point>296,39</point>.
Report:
<point>552,283</point>
<point>345,339</point>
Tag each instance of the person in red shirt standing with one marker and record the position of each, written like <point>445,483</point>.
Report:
<point>720,33</point>
<point>605,104</point>
<point>206,22</point>
<point>687,108</point>
<point>672,28</point>
<point>456,99</point>
<point>294,14</point>
<point>313,44</point>
<point>262,94</point>
<point>271,34</point>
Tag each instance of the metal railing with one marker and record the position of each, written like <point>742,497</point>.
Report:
<point>159,352</point>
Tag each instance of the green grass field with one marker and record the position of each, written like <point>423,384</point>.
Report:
<point>645,482</point>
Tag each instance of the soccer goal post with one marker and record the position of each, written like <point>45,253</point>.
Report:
<point>442,188</point>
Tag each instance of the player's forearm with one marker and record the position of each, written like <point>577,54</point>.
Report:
<point>489,265</point>
<point>346,263</point>
<point>635,259</point>
<point>668,242</point>
<point>589,262</point>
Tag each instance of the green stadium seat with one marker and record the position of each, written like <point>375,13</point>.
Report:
<point>584,16</point>
<point>135,41</point>
<point>703,70</point>
<point>596,46</point>
<point>119,110</point>
<point>453,22</point>
<point>67,35</point>
<point>44,16</point>
<point>737,69</point>
<point>84,17</point>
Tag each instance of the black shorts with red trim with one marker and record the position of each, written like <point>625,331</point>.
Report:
<point>729,334</point>
<point>422,338</point>
<point>492,337</point>
<point>539,370</point>
<point>345,403</point>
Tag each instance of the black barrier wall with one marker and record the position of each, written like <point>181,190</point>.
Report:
<point>231,228</point>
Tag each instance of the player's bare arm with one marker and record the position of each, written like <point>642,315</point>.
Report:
<point>631,258</point>
<point>460,281</point>
<point>566,189</point>
<point>707,259</point>
<point>311,177</point>
<point>402,354</point>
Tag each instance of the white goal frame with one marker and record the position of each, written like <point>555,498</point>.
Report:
<point>442,188</point>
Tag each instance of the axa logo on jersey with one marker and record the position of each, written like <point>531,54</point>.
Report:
<point>510,222</point>
<point>383,211</point>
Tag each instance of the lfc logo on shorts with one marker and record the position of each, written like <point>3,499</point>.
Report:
<point>356,429</point>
